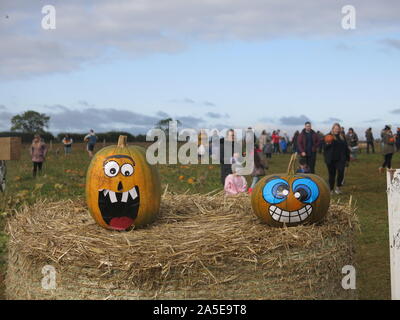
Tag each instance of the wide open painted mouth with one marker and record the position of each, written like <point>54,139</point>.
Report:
<point>280,215</point>
<point>119,209</point>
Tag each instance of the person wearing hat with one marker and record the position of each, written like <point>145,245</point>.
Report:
<point>388,141</point>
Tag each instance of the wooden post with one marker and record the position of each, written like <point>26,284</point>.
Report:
<point>393,191</point>
<point>10,148</point>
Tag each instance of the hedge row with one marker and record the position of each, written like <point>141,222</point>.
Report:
<point>111,136</point>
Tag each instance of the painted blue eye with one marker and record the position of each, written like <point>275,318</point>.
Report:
<point>276,191</point>
<point>305,190</point>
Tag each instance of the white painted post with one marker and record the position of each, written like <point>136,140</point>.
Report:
<point>393,191</point>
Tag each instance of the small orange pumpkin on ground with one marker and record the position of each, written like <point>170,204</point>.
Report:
<point>122,188</point>
<point>290,199</point>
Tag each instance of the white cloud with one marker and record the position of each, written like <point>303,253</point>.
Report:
<point>5,118</point>
<point>294,120</point>
<point>99,30</point>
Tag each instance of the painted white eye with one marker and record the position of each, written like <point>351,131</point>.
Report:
<point>111,169</point>
<point>127,170</point>
<point>297,195</point>
<point>285,192</point>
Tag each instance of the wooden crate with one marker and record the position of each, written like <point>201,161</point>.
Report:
<point>10,148</point>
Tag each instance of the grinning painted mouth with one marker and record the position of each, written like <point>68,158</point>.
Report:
<point>119,209</point>
<point>290,216</point>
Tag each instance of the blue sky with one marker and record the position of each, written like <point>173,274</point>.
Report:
<point>203,71</point>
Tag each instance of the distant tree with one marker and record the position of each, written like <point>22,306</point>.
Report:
<point>30,122</point>
<point>164,124</point>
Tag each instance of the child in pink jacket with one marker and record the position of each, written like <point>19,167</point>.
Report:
<point>235,183</point>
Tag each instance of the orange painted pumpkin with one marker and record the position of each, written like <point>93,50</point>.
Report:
<point>122,188</point>
<point>329,139</point>
<point>290,199</point>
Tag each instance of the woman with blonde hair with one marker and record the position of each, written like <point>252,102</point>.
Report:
<point>38,153</point>
<point>337,154</point>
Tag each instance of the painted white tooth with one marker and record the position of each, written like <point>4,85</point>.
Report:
<point>295,219</point>
<point>273,214</point>
<point>302,210</point>
<point>304,216</point>
<point>284,219</point>
<point>105,192</point>
<point>133,193</point>
<point>113,197</point>
<point>285,213</point>
<point>124,197</point>
<point>275,217</point>
<point>277,210</point>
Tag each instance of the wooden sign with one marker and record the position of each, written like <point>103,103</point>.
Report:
<point>393,191</point>
<point>10,148</point>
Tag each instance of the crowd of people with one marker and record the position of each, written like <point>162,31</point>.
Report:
<point>338,149</point>
<point>38,149</point>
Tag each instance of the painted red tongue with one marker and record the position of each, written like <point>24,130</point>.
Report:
<point>121,223</point>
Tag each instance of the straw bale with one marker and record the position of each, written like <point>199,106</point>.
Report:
<point>201,247</point>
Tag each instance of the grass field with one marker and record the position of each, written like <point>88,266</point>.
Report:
<point>64,177</point>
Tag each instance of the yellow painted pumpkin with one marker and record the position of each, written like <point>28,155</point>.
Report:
<point>122,188</point>
<point>291,199</point>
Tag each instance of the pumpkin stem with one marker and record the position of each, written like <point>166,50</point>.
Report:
<point>122,141</point>
<point>291,171</point>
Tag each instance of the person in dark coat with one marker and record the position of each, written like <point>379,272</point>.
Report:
<point>230,143</point>
<point>337,155</point>
<point>370,140</point>
<point>388,149</point>
<point>307,145</point>
<point>397,136</point>
<point>321,141</point>
<point>352,142</point>
<point>294,141</point>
